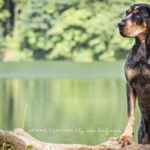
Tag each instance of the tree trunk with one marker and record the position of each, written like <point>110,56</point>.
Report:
<point>20,140</point>
<point>9,23</point>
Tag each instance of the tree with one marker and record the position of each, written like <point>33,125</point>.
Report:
<point>68,29</point>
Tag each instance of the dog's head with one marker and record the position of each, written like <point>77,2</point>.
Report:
<point>136,22</point>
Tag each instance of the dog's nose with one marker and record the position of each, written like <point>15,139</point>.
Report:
<point>121,25</point>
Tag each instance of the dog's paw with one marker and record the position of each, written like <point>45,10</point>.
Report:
<point>125,139</point>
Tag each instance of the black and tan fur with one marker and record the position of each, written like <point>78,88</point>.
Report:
<point>136,25</point>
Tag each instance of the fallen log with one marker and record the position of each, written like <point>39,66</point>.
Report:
<point>20,140</point>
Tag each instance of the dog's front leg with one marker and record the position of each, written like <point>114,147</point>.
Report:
<point>126,137</point>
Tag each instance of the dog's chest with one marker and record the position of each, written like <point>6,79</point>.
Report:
<point>137,67</point>
<point>138,71</point>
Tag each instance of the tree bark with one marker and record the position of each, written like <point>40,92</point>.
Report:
<point>20,140</point>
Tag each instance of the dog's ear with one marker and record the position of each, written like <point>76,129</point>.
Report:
<point>148,34</point>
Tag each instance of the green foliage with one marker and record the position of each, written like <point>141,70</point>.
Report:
<point>4,14</point>
<point>69,29</point>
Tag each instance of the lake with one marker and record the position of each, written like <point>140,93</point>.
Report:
<point>64,102</point>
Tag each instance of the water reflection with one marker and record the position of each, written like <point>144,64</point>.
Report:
<point>64,111</point>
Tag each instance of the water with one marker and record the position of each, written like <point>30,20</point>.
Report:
<point>63,102</point>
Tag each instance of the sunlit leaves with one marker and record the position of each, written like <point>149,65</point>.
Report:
<point>69,29</point>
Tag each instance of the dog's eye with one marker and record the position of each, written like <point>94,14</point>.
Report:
<point>137,19</point>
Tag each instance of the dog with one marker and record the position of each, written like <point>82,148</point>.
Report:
<point>136,24</point>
